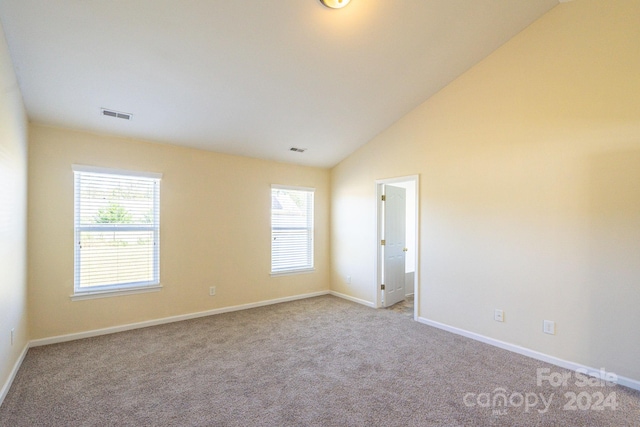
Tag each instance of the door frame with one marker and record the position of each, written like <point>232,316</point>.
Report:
<point>379,225</point>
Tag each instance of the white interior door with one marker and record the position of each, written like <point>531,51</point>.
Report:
<point>394,248</point>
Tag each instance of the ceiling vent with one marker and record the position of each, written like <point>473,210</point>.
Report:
<point>298,150</point>
<point>116,114</point>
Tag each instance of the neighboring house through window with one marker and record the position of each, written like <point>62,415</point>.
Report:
<point>117,231</point>
<point>291,229</point>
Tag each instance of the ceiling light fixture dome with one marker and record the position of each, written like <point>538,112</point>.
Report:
<point>335,4</point>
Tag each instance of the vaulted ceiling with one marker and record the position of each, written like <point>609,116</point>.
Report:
<point>249,77</point>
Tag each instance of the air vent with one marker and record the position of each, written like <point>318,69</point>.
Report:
<point>298,150</point>
<point>116,114</point>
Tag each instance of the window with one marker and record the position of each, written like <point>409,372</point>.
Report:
<point>117,231</point>
<point>291,229</point>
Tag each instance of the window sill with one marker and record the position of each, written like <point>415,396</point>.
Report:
<point>114,293</point>
<point>292,272</point>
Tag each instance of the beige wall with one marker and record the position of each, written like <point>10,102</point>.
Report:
<point>215,230</point>
<point>13,217</point>
<point>529,170</point>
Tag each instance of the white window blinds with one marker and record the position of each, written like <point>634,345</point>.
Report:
<point>117,230</point>
<point>291,229</point>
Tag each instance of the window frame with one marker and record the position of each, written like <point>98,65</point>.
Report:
<point>109,290</point>
<point>310,267</point>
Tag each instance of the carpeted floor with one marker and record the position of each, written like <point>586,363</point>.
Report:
<point>404,307</point>
<point>316,362</point>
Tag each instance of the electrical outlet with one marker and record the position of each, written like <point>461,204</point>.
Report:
<point>212,290</point>
<point>549,327</point>
<point>498,315</point>
<point>348,279</point>
<point>13,335</point>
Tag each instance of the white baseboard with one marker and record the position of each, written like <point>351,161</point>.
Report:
<point>624,381</point>
<point>353,299</point>
<point>138,325</point>
<point>12,375</point>
<point>627,382</point>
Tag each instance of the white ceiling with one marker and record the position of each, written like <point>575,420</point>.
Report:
<point>249,77</point>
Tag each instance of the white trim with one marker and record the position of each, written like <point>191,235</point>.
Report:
<point>378,259</point>
<point>114,292</point>
<point>285,257</point>
<point>86,175</point>
<point>398,179</point>
<point>12,375</point>
<point>353,299</point>
<point>112,171</point>
<point>623,381</point>
<point>292,187</point>
<point>292,272</point>
<point>416,271</point>
<point>138,325</point>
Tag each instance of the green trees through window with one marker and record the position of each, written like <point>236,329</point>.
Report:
<point>113,214</point>
<point>117,226</point>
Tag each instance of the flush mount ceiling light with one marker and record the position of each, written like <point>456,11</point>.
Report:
<point>335,4</point>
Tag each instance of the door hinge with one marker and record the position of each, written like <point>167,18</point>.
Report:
<point>382,287</point>
<point>384,198</point>
<point>383,242</point>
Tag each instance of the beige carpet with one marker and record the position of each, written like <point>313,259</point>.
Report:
<point>404,307</point>
<point>317,362</point>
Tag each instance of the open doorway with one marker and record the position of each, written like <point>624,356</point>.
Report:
<point>397,231</point>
